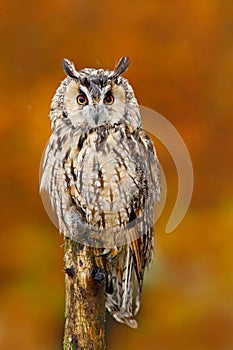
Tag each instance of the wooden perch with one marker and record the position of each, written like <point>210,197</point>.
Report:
<point>85,299</point>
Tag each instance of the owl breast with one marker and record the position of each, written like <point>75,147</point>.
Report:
<point>106,177</point>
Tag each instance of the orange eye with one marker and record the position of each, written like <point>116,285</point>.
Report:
<point>82,100</point>
<point>109,99</point>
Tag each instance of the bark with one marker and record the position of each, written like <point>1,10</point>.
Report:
<point>85,299</point>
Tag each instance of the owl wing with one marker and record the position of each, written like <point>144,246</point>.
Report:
<point>143,232</point>
<point>123,300</point>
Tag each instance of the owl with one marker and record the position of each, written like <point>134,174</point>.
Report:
<point>101,174</point>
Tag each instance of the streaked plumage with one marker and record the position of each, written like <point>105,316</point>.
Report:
<point>101,173</point>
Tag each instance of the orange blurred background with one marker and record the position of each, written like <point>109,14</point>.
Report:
<point>182,66</point>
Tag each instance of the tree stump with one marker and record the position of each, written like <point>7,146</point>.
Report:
<point>85,299</point>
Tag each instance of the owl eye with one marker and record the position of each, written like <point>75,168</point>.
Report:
<point>82,100</point>
<point>109,99</point>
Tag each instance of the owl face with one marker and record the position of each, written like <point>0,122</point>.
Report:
<point>90,98</point>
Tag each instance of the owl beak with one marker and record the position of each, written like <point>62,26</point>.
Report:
<point>96,114</point>
<point>96,118</point>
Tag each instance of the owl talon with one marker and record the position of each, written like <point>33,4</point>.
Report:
<point>110,253</point>
<point>105,252</point>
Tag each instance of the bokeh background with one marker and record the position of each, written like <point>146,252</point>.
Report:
<point>182,66</point>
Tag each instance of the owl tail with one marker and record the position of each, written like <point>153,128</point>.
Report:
<point>123,288</point>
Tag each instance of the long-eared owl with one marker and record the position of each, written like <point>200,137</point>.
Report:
<point>101,173</point>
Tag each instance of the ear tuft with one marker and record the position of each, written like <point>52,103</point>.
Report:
<point>69,68</point>
<point>121,67</point>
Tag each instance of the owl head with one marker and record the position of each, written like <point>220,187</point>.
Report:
<point>89,98</point>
